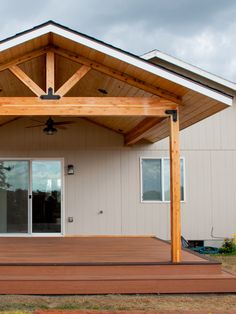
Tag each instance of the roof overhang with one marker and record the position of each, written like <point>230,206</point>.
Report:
<point>191,72</point>
<point>197,93</point>
<point>52,27</point>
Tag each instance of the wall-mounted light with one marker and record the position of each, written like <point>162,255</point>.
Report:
<point>70,169</point>
<point>70,219</point>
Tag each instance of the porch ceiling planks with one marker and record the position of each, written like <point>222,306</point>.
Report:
<point>75,78</point>
<point>131,80</point>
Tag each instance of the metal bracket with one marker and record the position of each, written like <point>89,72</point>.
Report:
<point>173,113</point>
<point>50,95</point>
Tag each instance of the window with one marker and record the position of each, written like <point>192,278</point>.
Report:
<point>155,179</point>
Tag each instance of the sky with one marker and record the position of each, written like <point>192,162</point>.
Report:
<point>200,32</point>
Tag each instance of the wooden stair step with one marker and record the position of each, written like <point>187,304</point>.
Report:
<point>224,282</point>
<point>109,270</point>
<point>73,277</point>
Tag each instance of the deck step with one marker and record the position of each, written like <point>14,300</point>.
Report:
<point>110,270</point>
<point>224,282</point>
<point>103,266</point>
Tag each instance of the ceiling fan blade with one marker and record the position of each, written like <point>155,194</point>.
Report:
<point>63,122</point>
<point>35,120</point>
<point>61,127</point>
<point>34,126</point>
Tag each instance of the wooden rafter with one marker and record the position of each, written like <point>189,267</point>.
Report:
<point>50,71</point>
<point>24,78</point>
<point>85,106</point>
<point>141,129</point>
<point>24,58</point>
<point>119,75</point>
<point>75,78</point>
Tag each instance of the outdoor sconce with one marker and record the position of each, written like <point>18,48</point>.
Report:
<point>70,169</point>
<point>70,219</point>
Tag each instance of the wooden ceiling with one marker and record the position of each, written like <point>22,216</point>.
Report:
<point>108,77</point>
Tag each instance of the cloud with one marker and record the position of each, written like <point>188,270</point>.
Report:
<point>201,32</point>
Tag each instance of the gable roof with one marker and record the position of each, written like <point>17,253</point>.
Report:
<point>201,94</point>
<point>140,62</point>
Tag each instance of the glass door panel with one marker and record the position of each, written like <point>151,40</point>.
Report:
<point>14,191</point>
<point>46,196</point>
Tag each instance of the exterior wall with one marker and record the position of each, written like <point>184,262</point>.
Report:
<point>107,177</point>
<point>210,151</point>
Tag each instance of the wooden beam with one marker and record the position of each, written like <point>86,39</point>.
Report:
<point>119,75</point>
<point>22,59</point>
<point>50,71</point>
<point>140,130</point>
<point>85,106</point>
<point>25,79</point>
<point>75,78</point>
<point>175,190</point>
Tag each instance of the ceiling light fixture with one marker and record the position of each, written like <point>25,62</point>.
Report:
<point>102,91</point>
<point>50,129</point>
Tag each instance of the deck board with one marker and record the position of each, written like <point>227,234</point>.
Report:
<point>101,265</point>
<point>88,250</point>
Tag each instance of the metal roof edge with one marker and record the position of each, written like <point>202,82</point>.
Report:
<point>189,67</point>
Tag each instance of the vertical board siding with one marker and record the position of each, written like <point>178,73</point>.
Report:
<point>197,210</point>
<point>107,177</point>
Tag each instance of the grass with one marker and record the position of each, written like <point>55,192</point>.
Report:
<point>27,304</point>
<point>228,261</point>
<point>208,302</point>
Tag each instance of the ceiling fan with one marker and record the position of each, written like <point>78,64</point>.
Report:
<point>50,126</point>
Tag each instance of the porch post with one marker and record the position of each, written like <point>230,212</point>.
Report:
<point>175,187</point>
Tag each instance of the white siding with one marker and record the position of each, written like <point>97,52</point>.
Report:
<point>209,148</point>
<point>107,177</point>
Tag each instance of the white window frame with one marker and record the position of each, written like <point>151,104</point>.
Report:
<point>162,180</point>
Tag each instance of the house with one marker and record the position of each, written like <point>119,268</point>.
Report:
<point>208,149</point>
<point>87,182</point>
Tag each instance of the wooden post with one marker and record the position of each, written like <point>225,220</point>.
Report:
<point>175,187</point>
<point>50,71</point>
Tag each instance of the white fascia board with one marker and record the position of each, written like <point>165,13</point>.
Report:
<point>122,56</point>
<point>189,67</point>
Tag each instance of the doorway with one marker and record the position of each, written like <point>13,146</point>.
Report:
<point>31,197</point>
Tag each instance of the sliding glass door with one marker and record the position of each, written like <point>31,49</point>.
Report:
<point>30,196</point>
<point>14,191</point>
<point>46,196</point>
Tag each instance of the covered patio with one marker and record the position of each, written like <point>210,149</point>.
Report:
<point>51,71</point>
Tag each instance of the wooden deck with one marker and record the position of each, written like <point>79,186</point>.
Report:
<point>101,265</point>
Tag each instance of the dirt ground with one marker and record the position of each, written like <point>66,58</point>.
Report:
<point>211,303</point>
<point>169,304</point>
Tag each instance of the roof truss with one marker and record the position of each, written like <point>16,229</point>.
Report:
<point>88,64</point>
<point>50,102</point>
<point>155,90</point>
